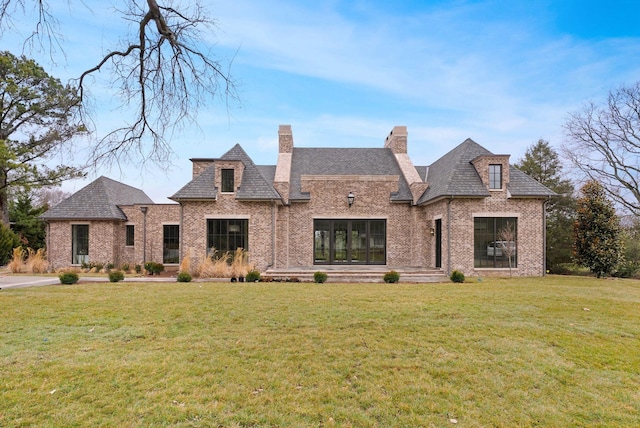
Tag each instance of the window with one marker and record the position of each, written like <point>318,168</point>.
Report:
<point>79,244</point>
<point>227,181</point>
<point>495,176</point>
<point>129,240</point>
<point>227,235</point>
<point>349,241</point>
<point>495,242</point>
<point>171,244</point>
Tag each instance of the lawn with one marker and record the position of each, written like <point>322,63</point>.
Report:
<point>554,351</point>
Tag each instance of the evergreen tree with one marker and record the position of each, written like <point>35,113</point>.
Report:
<point>598,236</point>
<point>8,241</point>
<point>541,162</point>
<point>25,221</point>
<point>36,122</point>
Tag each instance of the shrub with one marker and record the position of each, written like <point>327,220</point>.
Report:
<point>319,277</point>
<point>153,268</point>
<point>391,277</point>
<point>110,266</point>
<point>627,269</point>
<point>8,241</point>
<point>68,278</point>
<point>138,268</point>
<point>17,261</point>
<point>457,276</point>
<point>116,276</point>
<point>184,277</point>
<point>124,267</point>
<point>214,267</point>
<point>36,261</point>
<point>253,276</point>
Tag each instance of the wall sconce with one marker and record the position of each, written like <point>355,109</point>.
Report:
<point>433,231</point>
<point>350,198</point>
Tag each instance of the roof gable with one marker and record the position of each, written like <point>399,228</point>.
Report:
<point>99,200</point>
<point>254,185</point>
<point>454,175</point>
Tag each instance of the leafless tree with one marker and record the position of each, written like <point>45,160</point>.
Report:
<point>604,144</point>
<point>50,196</point>
<point>162,69</point>
<point>507,240</point>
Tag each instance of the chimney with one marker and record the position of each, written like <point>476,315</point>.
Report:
<point>285,139</point>
<point>397,140</point>
<point>282,179</point>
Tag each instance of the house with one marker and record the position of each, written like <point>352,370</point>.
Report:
<point>320,207</point>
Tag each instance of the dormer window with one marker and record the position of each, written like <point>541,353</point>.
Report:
<point>495,176</point>
<point>227,181</point>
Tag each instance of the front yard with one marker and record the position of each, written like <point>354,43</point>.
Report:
<point>554,351</point>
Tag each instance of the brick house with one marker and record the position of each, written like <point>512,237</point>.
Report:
<point>320,208</point>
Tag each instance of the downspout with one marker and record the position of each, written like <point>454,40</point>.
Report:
<point>48,244</point>
<point>544,237</point>
<point>273,233</point>
<point>449,236</point>
<point>181,231</point>
<point>144,235</point>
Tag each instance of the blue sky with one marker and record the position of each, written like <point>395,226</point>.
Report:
<point>504,73</point>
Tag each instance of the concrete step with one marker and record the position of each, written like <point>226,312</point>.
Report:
<point>356,274</point>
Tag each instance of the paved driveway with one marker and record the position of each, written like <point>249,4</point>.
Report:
<point>20,281</point>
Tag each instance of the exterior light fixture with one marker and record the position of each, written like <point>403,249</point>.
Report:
<point>350,198</point>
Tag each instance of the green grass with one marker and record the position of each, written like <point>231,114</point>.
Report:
<point>504,353</point>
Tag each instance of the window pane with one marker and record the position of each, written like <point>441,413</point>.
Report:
<point>349,241</point>
<point>227,235</point>
<point>227,180</point>
<point>495,176</point>
<point>171,244</point>
<point>321,245</point>
<point>130,235</point>
<point>495,242</point>
<point>79,243</point>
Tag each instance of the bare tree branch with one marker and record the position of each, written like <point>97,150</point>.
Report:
<point>162,70</point>
<point>603,142</point>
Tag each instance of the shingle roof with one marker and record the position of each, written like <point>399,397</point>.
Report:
<point>98,200</point>
<point>257,182</point>
<point>254,184</point>
<point>200,188</point>
<point>521,185</point>
<point>454,175</point>
<point>345,161</point>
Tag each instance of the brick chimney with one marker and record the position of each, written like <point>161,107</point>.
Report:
<point>282,179</point>
<point>397,140</point>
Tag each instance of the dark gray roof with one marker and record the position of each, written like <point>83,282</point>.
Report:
<point>254,185</point>
<point>98,200</point>
<point>521,185</point>
<point>200,188</point>
<point>345,161</point>
<point>454,175</point>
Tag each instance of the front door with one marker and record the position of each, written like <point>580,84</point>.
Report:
<point>438,233</point>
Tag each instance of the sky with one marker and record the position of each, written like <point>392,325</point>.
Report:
<point>344,73</point>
